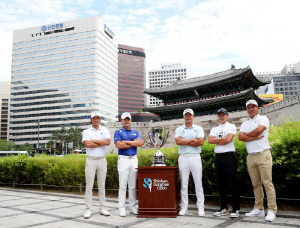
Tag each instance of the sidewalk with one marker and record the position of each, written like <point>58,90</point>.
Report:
<point>22,208</point>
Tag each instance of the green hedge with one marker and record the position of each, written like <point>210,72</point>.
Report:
<point>69,170</point>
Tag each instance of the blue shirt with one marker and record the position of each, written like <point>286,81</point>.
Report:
<point>127,135</point>
<point>194,132</point>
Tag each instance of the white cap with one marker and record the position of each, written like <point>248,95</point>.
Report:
<point>125,115</point>
<point>188,110</point>
<point>95,114</point>
<point>251,102</point>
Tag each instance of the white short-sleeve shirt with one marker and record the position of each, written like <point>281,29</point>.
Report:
<point>259,144</point>
<point>99,134</point>
<point>220,132</point>
<point>194,132</point>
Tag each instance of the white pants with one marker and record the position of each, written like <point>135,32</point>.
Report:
<point>186,165</point>
<point>91,165</point>
<point>127,175</point>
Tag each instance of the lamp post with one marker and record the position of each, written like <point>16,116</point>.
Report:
<point>38,136</point>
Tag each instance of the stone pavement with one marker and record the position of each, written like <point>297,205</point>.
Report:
<point>23,208</point>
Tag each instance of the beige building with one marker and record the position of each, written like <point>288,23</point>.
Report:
<point>4,108</point>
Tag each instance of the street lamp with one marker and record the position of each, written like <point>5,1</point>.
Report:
<point>38,122</point>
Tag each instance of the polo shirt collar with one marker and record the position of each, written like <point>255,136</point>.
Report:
<point>123,128</point>
<point>95,128</point>
<point>190,127</point>
<point>255,117</point>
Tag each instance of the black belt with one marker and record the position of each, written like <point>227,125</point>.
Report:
<point>223,154</point>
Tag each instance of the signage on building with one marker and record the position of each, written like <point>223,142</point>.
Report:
<point>108,31</point>
<point>276,97</point>
<point>52,27</point>
<point>131,52</point>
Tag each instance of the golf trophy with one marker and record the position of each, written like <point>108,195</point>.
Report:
<point>158,137</point>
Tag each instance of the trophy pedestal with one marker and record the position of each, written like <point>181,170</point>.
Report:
<point>158,191</point>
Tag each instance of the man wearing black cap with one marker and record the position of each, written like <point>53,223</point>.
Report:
<point>225,163</point>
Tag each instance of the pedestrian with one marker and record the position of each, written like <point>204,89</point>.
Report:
<point>127,140</point>
<point>95,139</point>
<point>190,138</point>
<point>225,163</point>
<point>255,133</point>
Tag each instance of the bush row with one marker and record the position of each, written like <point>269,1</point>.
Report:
<point>69,170</point>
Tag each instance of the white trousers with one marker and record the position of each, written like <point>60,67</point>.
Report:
<point>91,166</point>
<point>186,165</point>
<point>127,175</point>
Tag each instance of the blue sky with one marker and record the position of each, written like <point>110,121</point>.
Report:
<point>205,36</point>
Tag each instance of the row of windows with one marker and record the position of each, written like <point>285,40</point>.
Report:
<point>287,88</point>
<point>103,71</point>
<point>163,78</point>
<point>66,77</point>
<point>138,99</point>
<point>88,111</point>
<point>70,53</point>
<point>59,101</point>
<point>53,84</point>
<point>289,93</point>
<point>64,107</point>
<point>61,119</point>
<point>51,126</point>
<point>61,37</point>
<point>167,72</point>
<point>286,84</point>
<point>63,43</point>
<point>113,57</point>
<point>85,87</point>
<point>56,66</point>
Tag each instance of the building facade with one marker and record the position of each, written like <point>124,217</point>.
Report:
<point>4,108</point>
<point>131,78</point>
<point>60,73</point>
<point>167,74</point>
<point>288,85</point>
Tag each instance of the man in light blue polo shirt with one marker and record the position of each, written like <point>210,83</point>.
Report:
<point>127,140</point>
<point>190,138</point>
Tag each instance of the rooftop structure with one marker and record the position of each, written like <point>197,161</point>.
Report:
<point>230,89</point>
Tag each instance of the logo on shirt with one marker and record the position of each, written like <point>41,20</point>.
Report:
<point>147,183</point>
<point>220,134</point>
<point>195,131</point>
<point>183,131</point>
<point>133,134</point>
<point>101,133</point>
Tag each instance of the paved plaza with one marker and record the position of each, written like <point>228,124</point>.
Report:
<point>23,208</point>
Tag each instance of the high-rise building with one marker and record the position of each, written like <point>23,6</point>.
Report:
<point>132,78</point>
<point>168,73</point>
<point>60,73</point>
<point>4,108</point>
<point>288,85</point>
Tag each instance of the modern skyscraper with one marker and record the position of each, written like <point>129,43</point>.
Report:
<point>4,108</point>
<point>168,73</point>
<point>132,78</point>
<point>60,73</point>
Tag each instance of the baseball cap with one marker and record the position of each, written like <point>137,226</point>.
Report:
<point>95,114</point>
<point>251,102</point>
<point>125,115</point>
<point>188,110</point>
<point>223,110</point>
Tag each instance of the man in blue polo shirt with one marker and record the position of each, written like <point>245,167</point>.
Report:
<point>190,138</point>
<point>127,141</point>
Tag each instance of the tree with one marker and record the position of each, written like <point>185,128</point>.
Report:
<point>75,136</point>
<point>59,136</point>
<point>7,145</point>
<point>25,147</point>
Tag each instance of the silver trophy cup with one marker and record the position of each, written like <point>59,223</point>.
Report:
<point>158,137</point>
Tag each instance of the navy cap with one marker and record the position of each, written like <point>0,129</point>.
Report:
<point>223,110</point>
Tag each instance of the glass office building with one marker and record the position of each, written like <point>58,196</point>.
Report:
<point>132,78</point>
<point>60,73</point>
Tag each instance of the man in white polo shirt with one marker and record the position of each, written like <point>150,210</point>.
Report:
<point>95,140</point>
<point>225,163</point>
<point>190,138</point>
<point>255,133</point>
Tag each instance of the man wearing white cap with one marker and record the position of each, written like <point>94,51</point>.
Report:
<point>127,140</point>
<point>95,140</point>
<point>255,133</point>
<point>190,138</point>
